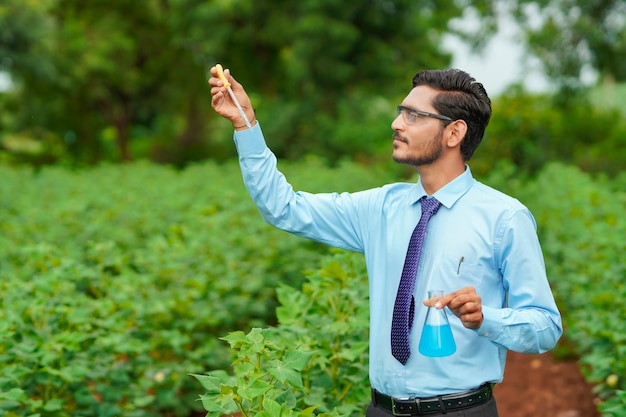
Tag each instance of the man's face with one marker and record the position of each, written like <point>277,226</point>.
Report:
<point>419,140</point>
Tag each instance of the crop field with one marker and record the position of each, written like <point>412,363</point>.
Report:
<point>137,289</point>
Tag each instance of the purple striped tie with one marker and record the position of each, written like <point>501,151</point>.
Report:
<point>404,306</point>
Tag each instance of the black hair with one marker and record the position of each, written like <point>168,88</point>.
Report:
<point>460,97</point>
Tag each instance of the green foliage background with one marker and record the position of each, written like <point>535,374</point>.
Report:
<point>117,282</point>
<point>120,80</point>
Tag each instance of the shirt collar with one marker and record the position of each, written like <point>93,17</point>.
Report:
<point>449,193</point>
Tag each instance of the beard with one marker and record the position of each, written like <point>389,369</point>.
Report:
<point>431,152</point>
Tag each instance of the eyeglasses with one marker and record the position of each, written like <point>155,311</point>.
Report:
<point>411,115</point>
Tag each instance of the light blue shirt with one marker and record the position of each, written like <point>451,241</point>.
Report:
<point>480,237</point>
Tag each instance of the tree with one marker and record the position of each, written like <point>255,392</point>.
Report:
<point>309,61</point>
<point>573,36</point>
<point>94,69</point>
<point>83,67</point>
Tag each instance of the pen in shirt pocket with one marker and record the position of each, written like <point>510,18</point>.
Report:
<point>458,269</point>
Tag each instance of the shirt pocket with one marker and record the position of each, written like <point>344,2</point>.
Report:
<point>459,273</point>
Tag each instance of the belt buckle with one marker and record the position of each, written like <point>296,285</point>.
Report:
<point>406,410</point>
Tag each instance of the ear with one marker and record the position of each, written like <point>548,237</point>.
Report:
<point>456,133</point>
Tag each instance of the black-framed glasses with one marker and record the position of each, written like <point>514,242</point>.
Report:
<point>411,115</point>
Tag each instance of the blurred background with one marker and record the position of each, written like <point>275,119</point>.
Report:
<point>129,246</point>
<point>84,82</point>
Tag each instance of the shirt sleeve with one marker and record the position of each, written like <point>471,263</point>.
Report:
<point>530,322</point>
<point>329,218</point>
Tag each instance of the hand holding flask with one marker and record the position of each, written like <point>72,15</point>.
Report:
<point>437,339</point>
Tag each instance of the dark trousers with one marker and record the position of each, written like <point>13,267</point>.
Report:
<point>487,409</point>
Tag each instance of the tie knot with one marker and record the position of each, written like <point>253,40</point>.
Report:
<point>430,205</point>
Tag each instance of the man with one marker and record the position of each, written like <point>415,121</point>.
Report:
<point>476,244</point>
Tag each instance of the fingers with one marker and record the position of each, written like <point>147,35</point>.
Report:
<point>229,99</point>
<point>441,302</point>
<point>432,302</point>
<point>219,96</point>
<point>470,313</point>
<point>456,298</point>
<point>472,321</point>
<point>465,303</point>
<point>217,85</point>
<point>216,81</point>
<point>234,84</point>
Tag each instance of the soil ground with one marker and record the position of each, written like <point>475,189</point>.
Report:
<point>539,386</point>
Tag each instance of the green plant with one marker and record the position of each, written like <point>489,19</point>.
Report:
<point>532,131</point>
<point>314,360</point>
<point>616,407</point>
<point>268,379</point>
<point>116,281</point>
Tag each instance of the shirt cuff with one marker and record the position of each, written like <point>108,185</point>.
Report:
<point>250,141</point>
<point>491,325</point>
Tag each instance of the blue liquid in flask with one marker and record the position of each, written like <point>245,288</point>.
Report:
<point>437,339</point>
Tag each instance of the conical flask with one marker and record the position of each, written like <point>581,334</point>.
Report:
<point>436,339</point>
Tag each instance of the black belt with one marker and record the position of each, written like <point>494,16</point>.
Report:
<point>439,404</point>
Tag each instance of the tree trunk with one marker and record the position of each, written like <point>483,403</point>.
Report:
<point>122,120</point>
<point>194,127</point>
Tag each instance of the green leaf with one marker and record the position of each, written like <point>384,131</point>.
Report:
<point>235,339</point>
<point>14,394</point>
<point>216,407</point>
<point>308,411</point>
<point>287,376</point>
<point>213,381</point>
<point>297,359</point>
<point>53,405</point>
<point>355,351</point>
<point>272,407</point>
<point>144,401</point>
<point>334,269</point>
<point>254,390</point>
<point>256,341</point>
